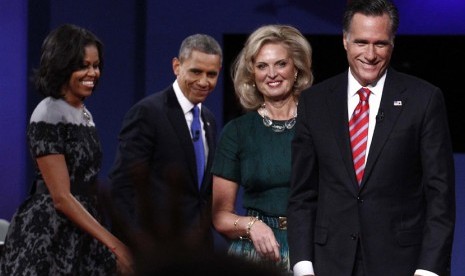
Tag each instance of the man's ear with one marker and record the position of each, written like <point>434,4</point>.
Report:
<point>176,66</point>
<point>345,37</point>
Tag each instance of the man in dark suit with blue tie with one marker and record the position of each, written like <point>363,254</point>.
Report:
<point>372,189</point>
<point>156,186</point>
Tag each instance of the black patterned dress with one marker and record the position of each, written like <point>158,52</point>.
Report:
<point>41,240</point>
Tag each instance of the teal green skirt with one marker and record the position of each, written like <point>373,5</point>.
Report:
<point>244,248</point>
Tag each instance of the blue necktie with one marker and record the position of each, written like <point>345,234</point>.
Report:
<point>198,144</point>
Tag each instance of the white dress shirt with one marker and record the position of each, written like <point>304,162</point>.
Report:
<point>186,107</point>
<point>373,101</point>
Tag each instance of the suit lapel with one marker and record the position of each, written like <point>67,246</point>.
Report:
<point>178,122</point>
<point>208,125</point>
<point>337,107</point>
<point>392,104</point>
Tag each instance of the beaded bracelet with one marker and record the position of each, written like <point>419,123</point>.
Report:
<point>251,221</point>
<point>250,224</point>
<point>236,221</point>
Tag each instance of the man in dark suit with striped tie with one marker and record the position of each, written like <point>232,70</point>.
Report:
<point>372,188</point>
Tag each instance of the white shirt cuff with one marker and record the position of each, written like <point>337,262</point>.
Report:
<point>422,272</point>
<point>303,268</point>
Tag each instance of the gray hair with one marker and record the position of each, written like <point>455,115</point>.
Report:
<point>199,42</point>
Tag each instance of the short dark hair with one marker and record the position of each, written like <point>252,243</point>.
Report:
<point>199,42</point>
<point>63,53</point>
<point>372,8</point>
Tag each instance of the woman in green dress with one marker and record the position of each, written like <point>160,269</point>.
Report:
<point>254,150</point>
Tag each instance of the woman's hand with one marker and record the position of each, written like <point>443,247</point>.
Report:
<point>124,263</point>
<point>264,241</point>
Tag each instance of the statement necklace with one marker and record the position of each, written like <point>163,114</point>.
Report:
<point>268,122</point>
<point>85,114</point>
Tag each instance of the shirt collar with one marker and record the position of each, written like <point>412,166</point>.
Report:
<point>186,105</point>
<point>376,89</point>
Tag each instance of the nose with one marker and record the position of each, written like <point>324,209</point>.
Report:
<point>271,72</point>
<point>92,71</point>
<point>370,53</point>
<point>203,81</point>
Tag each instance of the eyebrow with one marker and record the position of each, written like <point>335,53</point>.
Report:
<point>280,60</point>
<point>196,70</point>
<point>387,42</point>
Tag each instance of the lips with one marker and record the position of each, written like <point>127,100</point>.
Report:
<point>274,83</point>
<point>369,64</point>
<point>202,90</point>
<point>88,83</point>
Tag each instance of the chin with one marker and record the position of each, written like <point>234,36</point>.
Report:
<point>369,79</point>
<point>86,95</point>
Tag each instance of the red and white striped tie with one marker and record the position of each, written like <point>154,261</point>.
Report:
<point>358,128</point>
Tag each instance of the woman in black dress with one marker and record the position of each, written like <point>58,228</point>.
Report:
<point>56,230</point>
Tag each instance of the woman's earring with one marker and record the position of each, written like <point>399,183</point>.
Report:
<point>295,76</point>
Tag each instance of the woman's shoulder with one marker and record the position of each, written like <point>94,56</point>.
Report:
<point>241,126</point>
<point>247,119</point>
<point>54,111</point>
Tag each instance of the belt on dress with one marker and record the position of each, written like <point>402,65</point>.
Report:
<point>271,221</point>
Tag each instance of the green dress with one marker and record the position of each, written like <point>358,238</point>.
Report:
<point>259,160</point>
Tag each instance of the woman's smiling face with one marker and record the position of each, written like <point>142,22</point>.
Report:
<point>82,81</point>
<point>274,71</point>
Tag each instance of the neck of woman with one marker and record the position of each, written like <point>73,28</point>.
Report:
<point>279,110</point>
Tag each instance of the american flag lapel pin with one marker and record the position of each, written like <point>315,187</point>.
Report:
<point>397,103</point>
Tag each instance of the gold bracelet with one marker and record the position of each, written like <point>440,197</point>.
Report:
<point>246,237</point>
<point>250,224</point>
<point>236,221</point>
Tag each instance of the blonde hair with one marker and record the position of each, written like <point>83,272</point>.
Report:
<point>300,52</point>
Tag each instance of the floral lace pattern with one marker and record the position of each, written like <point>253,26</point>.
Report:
<point>80,146</point>
<point>40,240</point>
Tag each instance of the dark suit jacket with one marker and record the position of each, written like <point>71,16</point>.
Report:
<point>154,175</point>
<point>403,214</point>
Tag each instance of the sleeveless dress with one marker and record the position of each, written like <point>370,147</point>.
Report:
<point>259,160</point>
<point>41,240</point>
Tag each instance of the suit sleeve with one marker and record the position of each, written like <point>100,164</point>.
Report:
<point>303,191</point>
<point>439,188</point>
<point>131,168</point>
